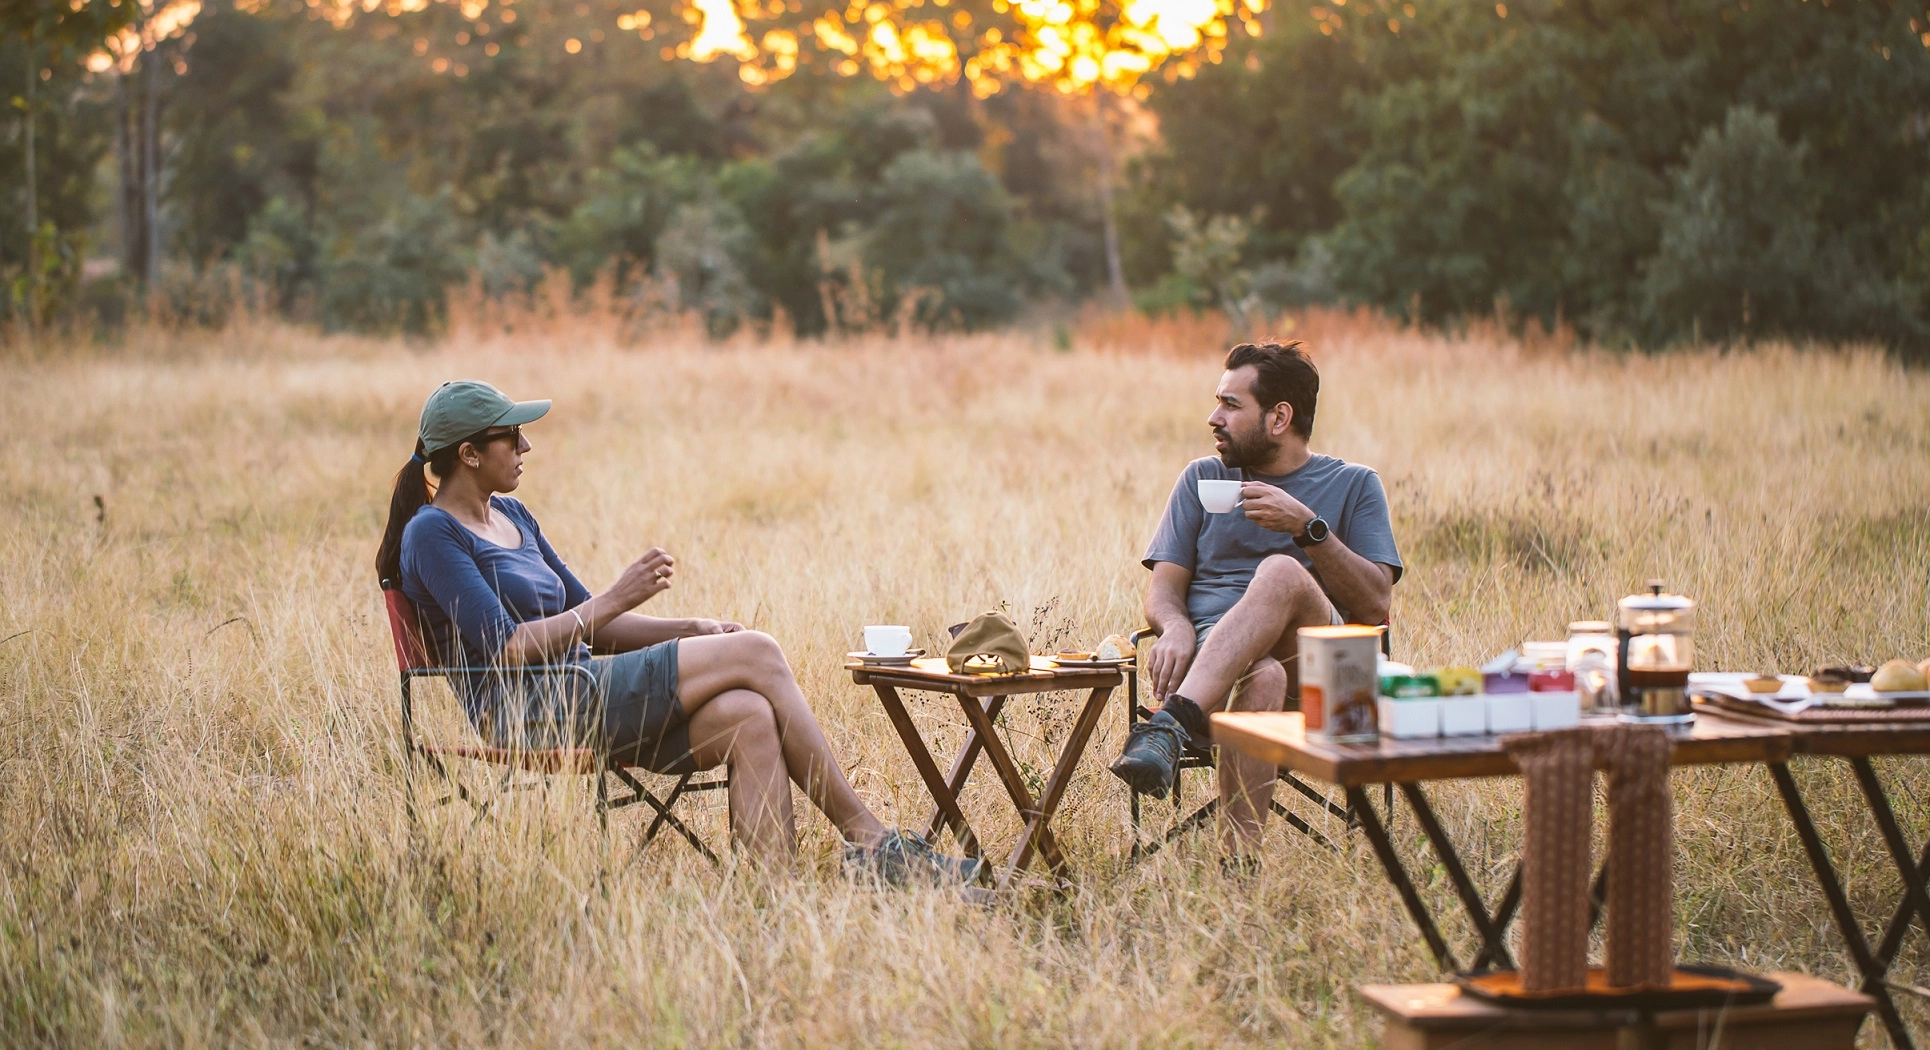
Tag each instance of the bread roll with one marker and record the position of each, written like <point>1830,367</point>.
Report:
<point>1897,676</point>
<point>1115,647</point>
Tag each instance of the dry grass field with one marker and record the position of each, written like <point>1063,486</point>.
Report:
<point>202,832</point>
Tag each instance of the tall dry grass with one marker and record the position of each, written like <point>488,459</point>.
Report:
<point>202,835</point>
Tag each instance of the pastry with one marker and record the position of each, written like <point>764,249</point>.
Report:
<point>1115,647</point>
<point>1073,654</point>
<point>1857,673</point>
<point>1829,680</point>
<point>1897,676</point>
<point>1763,683</point>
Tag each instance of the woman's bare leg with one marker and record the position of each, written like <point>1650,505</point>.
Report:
<point>736,728</point>
<point>711,665</point>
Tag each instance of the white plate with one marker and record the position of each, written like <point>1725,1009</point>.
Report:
<point>1795,694</point>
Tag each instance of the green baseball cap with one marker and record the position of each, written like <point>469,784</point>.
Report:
<point>469,406</point>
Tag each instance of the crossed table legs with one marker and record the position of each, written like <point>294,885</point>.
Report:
<point>1873,963</point>
<point>983,739</point>
<point>1874,966</point>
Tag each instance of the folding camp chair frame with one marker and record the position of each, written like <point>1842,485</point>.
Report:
<point>413,663</point>
<point>1191,758</point>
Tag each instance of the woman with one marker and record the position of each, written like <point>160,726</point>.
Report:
<point>679,695</point>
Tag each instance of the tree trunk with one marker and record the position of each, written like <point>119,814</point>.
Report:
<point>130,212</point>
<point>33,198</point>
<point>151,167</point>
<point>1115,274</point>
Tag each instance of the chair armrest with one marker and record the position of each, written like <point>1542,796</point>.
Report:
<point>589,676</point>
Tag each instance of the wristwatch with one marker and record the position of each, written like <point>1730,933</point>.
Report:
<point>1316,532</point>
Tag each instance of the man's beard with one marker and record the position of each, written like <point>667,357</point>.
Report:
<point>1245,452</point>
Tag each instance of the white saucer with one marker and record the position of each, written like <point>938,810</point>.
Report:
<point>871,660</point>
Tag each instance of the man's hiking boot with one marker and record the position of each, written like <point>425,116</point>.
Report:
<point>1150,760</point>
<point>1191,718</point>
<point>904,858</point>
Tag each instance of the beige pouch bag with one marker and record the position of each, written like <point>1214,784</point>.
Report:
<point>995,637</point>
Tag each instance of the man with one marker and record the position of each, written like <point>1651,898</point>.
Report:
<point>1309,544</point>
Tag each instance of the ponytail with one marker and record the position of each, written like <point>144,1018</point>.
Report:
<point>412,491</point>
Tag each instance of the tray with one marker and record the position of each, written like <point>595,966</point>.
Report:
<point>1690,988</point>
<point>1095,662</point>
<point>937,665</point>
<point>1804,713</point>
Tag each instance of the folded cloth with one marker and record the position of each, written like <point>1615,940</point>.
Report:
<point>994,636</point>
<point>1558,769</point>
<point>1641,850</point>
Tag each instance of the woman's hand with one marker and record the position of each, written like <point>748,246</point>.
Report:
<point>646,577</point>
<point>703,627</point>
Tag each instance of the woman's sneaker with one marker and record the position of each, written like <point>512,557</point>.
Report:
<point>906,859</point>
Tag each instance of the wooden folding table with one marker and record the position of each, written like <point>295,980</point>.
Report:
<point>981,698</point>
<point>1281,738</point>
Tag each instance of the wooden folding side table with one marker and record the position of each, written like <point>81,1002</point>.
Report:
<point>981,697</point>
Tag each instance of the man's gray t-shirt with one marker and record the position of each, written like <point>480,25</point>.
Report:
<point>1223,550</point>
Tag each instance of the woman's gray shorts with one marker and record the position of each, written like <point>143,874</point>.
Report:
<point>643,722</point>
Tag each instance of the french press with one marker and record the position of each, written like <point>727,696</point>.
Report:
<point>1655,651</point>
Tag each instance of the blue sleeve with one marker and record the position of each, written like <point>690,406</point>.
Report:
<point>442,561</point>
<point>1178,538</point>
<point>1369,531</point>
<point>574,593</point>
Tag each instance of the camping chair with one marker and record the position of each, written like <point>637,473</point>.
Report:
<point>412,659</point>
<point>1207,758</point>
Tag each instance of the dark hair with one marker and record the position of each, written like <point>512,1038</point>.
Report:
<point>1284,374</point>
<point>410,494</point>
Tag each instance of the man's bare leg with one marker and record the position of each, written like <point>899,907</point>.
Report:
<point>1246,784</point>
<point>1282,598</point>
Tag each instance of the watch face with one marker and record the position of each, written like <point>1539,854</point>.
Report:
<point>1316,530</point>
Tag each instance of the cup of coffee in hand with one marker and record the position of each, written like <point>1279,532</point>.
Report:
<point>1219,495</point>
<point>887,639</point>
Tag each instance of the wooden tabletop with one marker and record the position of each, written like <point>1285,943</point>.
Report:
<point>980,685</point>
<point>1444,1006</point>
<point>1281,738</point>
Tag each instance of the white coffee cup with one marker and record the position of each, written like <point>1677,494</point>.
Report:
<point>1219,495</point>
<point>887,639</point>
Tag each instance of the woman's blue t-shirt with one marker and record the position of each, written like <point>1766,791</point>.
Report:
<point>470,594</point>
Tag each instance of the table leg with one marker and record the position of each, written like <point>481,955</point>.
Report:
<point>1839,905</point>
<point>962,768</point>
<point>1900,919</point>
<point>1504,916</point>
<point>1915,898</point>
<point>941,792</point>
<point>1014,782</point>
<point>1055,788</point>
<point>1390,861</point>
<point>1491,934</point>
